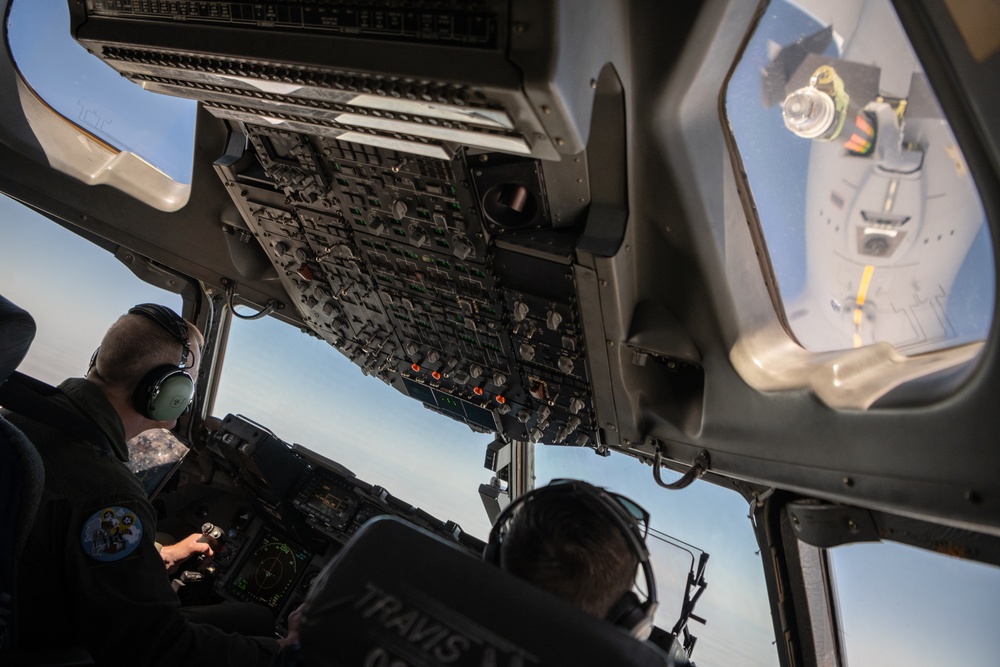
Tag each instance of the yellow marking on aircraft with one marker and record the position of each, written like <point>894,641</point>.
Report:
<point>956,155</point>
<point>866,279</point>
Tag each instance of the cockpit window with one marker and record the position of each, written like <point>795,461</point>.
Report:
<point>88,93</point>
<point>307,392</point>
<point>871,221</point>
<point>78,294</point>
<point>894,601</point>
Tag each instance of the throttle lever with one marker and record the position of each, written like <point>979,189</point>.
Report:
<point>212,535</point>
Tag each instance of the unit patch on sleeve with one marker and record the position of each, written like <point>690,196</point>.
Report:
<point>111,534</point>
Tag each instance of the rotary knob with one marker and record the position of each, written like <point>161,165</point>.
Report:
<point>553,319</point>
<point>520,311</point>
<point>462,247</point>
<point>565,365</point>
<point>418,237</point>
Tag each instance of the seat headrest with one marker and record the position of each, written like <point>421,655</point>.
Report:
<point>17,330</point>
<point>397,594</point>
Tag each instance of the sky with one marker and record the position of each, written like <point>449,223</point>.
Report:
<point>307,393</point>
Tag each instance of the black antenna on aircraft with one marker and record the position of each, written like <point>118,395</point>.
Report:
<point>696,585</point>
<point>693,589</point>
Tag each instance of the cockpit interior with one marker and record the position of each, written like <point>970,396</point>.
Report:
<point>733,259</point>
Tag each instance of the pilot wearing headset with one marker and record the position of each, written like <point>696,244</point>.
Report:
<point>91,572</point>
<point>584,544</point>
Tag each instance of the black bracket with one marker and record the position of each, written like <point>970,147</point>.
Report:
<point>697,470</point>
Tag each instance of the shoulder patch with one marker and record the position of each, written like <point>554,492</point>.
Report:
<point>111,534</point>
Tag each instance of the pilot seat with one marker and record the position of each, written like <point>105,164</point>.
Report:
<point>399,595</point>
<point>22,475</point>
<point>22,480</point>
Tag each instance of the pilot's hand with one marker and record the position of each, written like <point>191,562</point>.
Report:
<point>294,620</point>
<point>175,554</point>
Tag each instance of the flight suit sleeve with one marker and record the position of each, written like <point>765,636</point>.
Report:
<point>126,608</point>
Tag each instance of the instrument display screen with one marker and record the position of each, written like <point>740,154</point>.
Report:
<point>271,571</point>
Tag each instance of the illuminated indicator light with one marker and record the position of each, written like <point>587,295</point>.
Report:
<point>435,375</point>
<point>478,391</point>
<point>858,145</point>
<point>501,400</point>
<point>862,141</point>
<point>415,367</point>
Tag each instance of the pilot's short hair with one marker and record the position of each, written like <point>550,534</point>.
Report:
<point>566,544</point>
<point>135,344</point>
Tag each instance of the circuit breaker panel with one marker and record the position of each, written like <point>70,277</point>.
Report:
<point>389,257</point>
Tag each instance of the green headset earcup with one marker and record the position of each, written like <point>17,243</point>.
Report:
<point>164,393</point>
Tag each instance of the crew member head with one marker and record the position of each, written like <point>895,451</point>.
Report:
<point>583,544</point>
<point>147,365</point>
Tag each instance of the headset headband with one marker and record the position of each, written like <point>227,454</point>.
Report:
<point>169,321</point>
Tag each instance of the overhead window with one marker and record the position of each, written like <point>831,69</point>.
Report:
<point>94,97</point>
<point>873,227</point>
